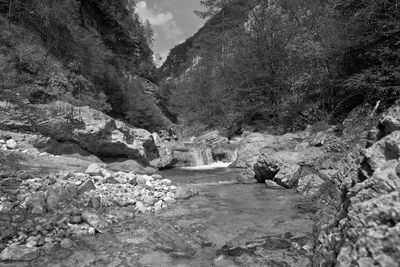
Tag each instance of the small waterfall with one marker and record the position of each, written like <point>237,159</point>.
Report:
<point>203,155</point>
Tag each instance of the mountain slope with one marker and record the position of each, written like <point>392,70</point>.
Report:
<point>84,52</point>
<point>209,40</point>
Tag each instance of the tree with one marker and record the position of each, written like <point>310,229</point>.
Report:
<point>370,37</point>
<point>148,32</point>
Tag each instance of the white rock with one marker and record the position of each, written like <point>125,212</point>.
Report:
<point>140,207</point>
<point>142,179</point>
<point>106,174</point>
<point>166,182</point>
<point>156,177</point>
<point>158,194</point>
<point>11,144</point>
<point>144,191</point>
<point>169,200</point>
<point>136,193</point>
<point>157,208</point>
<point>171,195</point>
<point>19,253</point>
<point>2,142</point>
<point>5,207</point>
<point>149,184</point>
<point>149,200</point>
<point>94,170</point>
<point>80,176</point>
<point>131,178</point>
<point>91,231</point>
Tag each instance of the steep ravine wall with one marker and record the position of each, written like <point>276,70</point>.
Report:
<point>366,230</point>
<point>350,175</point>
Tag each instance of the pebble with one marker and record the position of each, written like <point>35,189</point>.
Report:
<point>11,144</point>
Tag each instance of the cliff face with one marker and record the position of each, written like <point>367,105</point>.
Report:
<point>208,40</point>
<point>82,52</point>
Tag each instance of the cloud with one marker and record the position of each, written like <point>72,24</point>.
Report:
<point>172,31</point>
<point>164,20</point>
<point>155,19</point>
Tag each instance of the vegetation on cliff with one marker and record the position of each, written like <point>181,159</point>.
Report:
<point>285,62</point>
<point>83,52</point>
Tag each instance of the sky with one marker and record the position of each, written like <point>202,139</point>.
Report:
<point>173,21</point>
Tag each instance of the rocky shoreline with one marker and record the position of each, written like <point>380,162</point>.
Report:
<point>38,213</point>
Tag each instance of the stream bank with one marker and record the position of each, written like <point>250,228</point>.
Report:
<point>224,225</point>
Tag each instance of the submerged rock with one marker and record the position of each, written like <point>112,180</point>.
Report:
<point>57,195</point>
<point>95,220</point>
<point>19,253</point>
<point>66,243</point>
<point>185,193</point>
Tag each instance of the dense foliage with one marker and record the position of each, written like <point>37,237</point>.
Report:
<point>287,63</point>
<point>84,52</point>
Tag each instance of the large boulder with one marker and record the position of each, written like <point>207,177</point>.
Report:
<point>284,167</point>
<point>252,143</point>
<point>166,158</point>
<point>266,168</point>
<point>93,131</point>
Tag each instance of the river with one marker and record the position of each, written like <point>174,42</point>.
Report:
<point>226,224</point>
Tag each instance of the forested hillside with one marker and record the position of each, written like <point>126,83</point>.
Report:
<point>285,62</point>
<point>83,52</point>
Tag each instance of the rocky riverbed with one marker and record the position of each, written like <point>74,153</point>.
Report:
<point>38,213</point>
<point>225,224</point>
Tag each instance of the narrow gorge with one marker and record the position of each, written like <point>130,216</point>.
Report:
<point>270,137</point>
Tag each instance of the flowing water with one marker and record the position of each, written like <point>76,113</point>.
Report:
<point>227,224</point>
